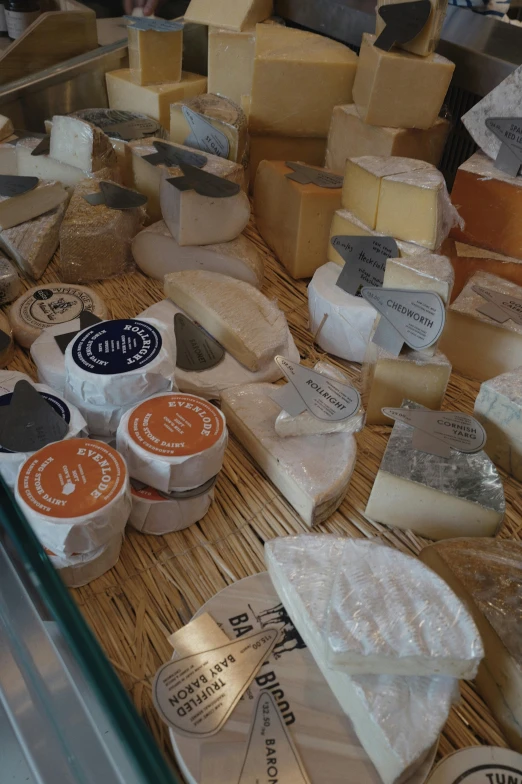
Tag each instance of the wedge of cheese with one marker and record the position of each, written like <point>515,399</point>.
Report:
<point>155,55</point>
<point>211,123</point>
<point>311,472</point>
<point>430,272</point>
<point>43,166</point>
<point>498,407</point>
<point>222,13</point>
<point>20,209</point>
<point>78,143</point>
<point>32,244</point>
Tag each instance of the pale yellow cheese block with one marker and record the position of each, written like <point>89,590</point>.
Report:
<point>231,62</point>
<point>153,99</point>
<point>236,15</point>
<point>155,56</point>
<point>429,272</point>
<point>426,41</point>
<point>226,118</point>
<point>399,89</point>
<point>285,148</point>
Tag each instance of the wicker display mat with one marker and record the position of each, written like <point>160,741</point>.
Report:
<point>160,581</point>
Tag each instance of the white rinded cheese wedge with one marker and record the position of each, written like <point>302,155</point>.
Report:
<point>9,281</point>
<point>81,144</point>
<point>33,244</point>
<point>157,253</point>
<point>388,614</point>
<point>433,496</point>
<point>229,372</point>
<point>45,167</point>
<point>20,209</point>
<point>312,472</point>
<point>6,127</point>
<point>249,325</point>
<point>498,407</point>
<point>397,719</point>
<point>201,220</point>
<point>157,513</point>
<point>306,424</point>
<point>82,568</point>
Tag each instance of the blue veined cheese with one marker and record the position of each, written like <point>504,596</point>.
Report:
<point>499,408</point>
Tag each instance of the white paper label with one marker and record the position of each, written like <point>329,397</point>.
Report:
<point>440,430</point>
<point>19,21</point>
<point>204,136</point>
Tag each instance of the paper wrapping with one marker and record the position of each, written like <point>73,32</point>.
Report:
<point>157,515</point>
<point>9,280</point>
<point>82,568</point>
<point>48,357</point>
<point>102,421</point>
<point>32,244</point>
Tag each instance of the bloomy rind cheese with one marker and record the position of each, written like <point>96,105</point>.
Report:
<point>33,244</point>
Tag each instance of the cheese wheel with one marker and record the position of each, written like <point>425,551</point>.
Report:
<point>81,568</point>
<point>173,441</point>
<point>102,421</point>
<point>6,354</point>
<point>157,513</point>
<point>49,358</point>
<point>49,304</point>
<point>75,494</point>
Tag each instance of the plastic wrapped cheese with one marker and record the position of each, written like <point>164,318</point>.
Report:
<point>33,244</point>
<point>102,421</point>
<point>82,568</point>
<point>81,144</point>
<point>173,441</point>
<point>158,513</point>
<point>75,494</point>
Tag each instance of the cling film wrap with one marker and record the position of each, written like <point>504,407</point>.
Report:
<point>387,610</point>
<point>430,265</point>
<point>231,122</point>
<point>81,568</point>
<point>9,281</point>
<point>157,514</point>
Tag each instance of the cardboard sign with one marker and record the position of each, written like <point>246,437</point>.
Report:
<point>404,21</point>
<point>153,23</point>
<point>87,319</point>
<point>116,197</point>
<point>307,174</point>
<point>203,135</point>
<point>438,431</point>
<point>15,185</point>
<point>500,307</point>
<point>196,349</point>
<point>509,131</point>
<point>29,422</point>
<point>204,183</point>
<point>167,155</point>
<point>365,261</point>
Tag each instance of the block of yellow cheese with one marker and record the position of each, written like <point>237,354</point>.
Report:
<point>155,56</point>
<point>298,79</point>
<point>426,41</point>
<point>294,219</point>
<point>232,14</point>
<point>350,137</point>
<point>429,272</point>
<point>153,99</point>
<point>210,123</point>
<point>231,62</point>
<point>285,148</point>
<point>478,345</point>
<point>399,89</point>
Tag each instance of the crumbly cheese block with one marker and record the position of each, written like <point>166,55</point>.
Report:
<point>75,495</point>
<point>82,568</point>
<point>95,241</point>
<point>202,220</point>
<point>426,41</point>
<point>173,441</point>
<point>389,614</point>
<point>78,143</point>
<point>220,127</point>
<point>231,62</point>
<point>505,100</point>
<point>234,16</point>
<point>294,219</point>
<point>120,362</point>
<point>153,99</point>
<point>386,81</point>
<point>9,281</point>
<point>306,424</point>
<point>308,150</point>
<point>478,346</point>
<point>246,323</point>
<point>499,408</point>
<point>350,137</point>
<point>314,487</point>
<point>387,380</point>
<point>157,253</point>
<point>487,575</point>
<point>45,167</point>
<point>468,259</point>
<point>421,273</point>
<point>397,719</point>
<point>490,203</point>
<point>31,204</point>
<point>154,55</point>
<point>6,354</point>
<point>433,496</point>
<point>49,304</point>
<point>146,177</point>
<point>229,372</point>
<point>346,330</point>
<point>158,514</point>
<point>8,158</point>
<point>6,127</point>
<point>33,244</point>
<point>286,57</point>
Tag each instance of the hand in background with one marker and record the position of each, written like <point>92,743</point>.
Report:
<point>148,6</point>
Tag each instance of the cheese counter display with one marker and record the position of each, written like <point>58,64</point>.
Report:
<point>261,392</point>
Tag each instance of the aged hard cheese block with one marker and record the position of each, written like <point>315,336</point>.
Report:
<point>426,41</point>
<point>157,253</point>
<point>499,408</point>
<point>386,81</point>
<point>294,219</point>
<point>249,325</point>
<point>155,56</point>
<point>152,99</point>
<point>20,209</point>
<point>428,632</point>
<point>6,354</point>
<point>222,13</point>
<point>6,127</point>
<point>231,62</point>
<point>193,219</point>
<point>286,57</point>
<point>397,719</point>
<point>157,513</point>
<point>32,244</point>
<point>349,320</point>
<point>312,472</point>
<point>421,273</point>
<point>227,135</point>
<point>285,148</point>
<point>433,496</point>
<point>79,143</point>
<point>478,346</point>
<point>387,380</point>
<point>43,166</point>
<point>487,575</point>
<point>350,137</point>
<point>489,202</point>
<point>95,241</point>
<point>9,281</point>
<point>82,568</point>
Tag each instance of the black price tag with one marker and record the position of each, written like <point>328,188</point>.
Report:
<point>196,350</point>
<point>168,155</point>
<point>44,146</point>
<point>308,175</point>
<point>204,183</point>
<point>365,261</point>
<point>116,197</point>
<point>29,423</point>
<point>87,319</point>
<point>509,131</point>
<point>404,21</point>
<point>15,185</point>
<point>152,23</point>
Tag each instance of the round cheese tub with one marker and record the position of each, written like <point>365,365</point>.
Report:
<point>81,568</point>
<point>158,513</point>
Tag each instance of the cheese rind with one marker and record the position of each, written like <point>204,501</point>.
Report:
<point>315,487</point>
<point>157,514</point>
<point>223,115</point>
<point>31,204</point>
<point>154,55</point>
<point>78,143</point>
<point>222,13</point>
<point>499,408</point>
<point>9,280</point>
<point>425,42</point>
<point>157,253</point>
<point>49,358</point>
<point>33,244</point>
<point>421,273</point>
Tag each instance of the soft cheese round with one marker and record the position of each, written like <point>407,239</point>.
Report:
<point>48,356</point>
<point>82,568</point>
<point>157,513</point>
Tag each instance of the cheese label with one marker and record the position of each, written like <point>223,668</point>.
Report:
<point>29,419</point>
<point>271,754</point>
<point>197,694</point>
<point>121,124</point>
<point>72,478</point>
<point>196,350</point>
<point>86,319</point>
<point>413,317</point>
<point>15,184</point>
<point>153,23</point>
<point>118,346</point>
<point>203,135</point>
<point>324,398</point>
<point>479,765</point>
<point>365,261</point>
<point>146,493</point>
<point>204,183</point>
<point>115,197</point>
<point>175,425</point>
<point>168,155</point>
<point>404,21</point>
<point>509,131</point>
<point>307,175</point>
<point>500,307</point>
<point>49,306</point>
<point>437,431</point>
